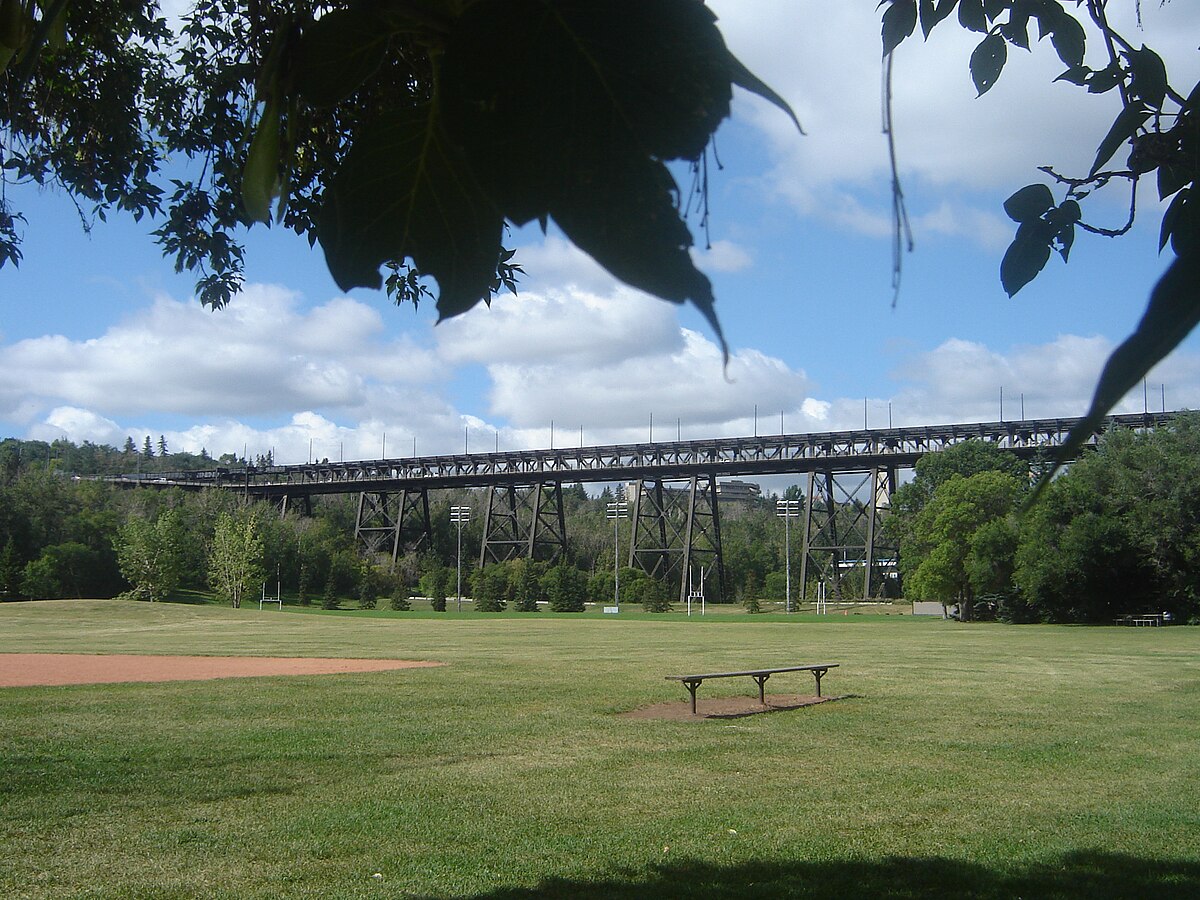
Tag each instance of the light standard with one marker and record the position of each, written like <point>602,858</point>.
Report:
<point>460,516</point>
<point>788,510</point>
<point>617,510</point>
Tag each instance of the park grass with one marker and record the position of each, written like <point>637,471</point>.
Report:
<point>969,760</point>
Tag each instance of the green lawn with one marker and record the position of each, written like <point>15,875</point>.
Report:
<point>971,760</point>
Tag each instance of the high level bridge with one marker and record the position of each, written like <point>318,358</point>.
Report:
<point>676,532</point>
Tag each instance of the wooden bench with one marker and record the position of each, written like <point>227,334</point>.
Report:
<point>691,682</point>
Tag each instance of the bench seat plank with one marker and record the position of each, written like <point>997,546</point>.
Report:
<point>692,682</point>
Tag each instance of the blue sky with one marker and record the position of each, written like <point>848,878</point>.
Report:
<point>100,338</point>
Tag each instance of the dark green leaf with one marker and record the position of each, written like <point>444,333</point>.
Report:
<point>1106,79</point>
<point>1069,40</point>
<point>1130,119</point>
<point>1171,314</point>
<point>1016,30</point>
<point>748,81</point>
<point>260,178</point>
<point>1149,76</point>
<point>533,88</point>
<point>404,191</point>
<point>624,216</point>
<point>933,12</point>
<point>1185,229</point>
<point>993,8</point>
<point>987,62</point>
<point>1026,256</point>
<point>338,53</point>
<point>1171,217</point>
<point>1172,177</point>
<point>971,17</point>
<point>899,21</point>
<point>1064,240</point>
<point>1075,75</point>
<point>1029,203</point>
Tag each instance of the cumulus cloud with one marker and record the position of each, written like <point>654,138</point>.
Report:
<point>825,60</point>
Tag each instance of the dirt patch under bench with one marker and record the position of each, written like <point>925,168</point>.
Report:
<point>35,669</point>
<point>725,707</point>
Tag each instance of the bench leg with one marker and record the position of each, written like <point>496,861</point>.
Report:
<point>817,673</point>
<point>691,686</point>
<point>762,680</point>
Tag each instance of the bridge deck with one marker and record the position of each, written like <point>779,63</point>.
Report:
<point>844,451</point>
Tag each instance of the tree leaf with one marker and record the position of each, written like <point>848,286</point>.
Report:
<point>987,61</point>
<point>534,88</point>
<point>899,21</point>
<point>748,81</point>
<point>1106,79</point>
<point>934,11</point>
<point>1171,217</point>
<point>1171,314</point>
<point>260,178</point>
<point>1069,39</point>
<point>405,191</point>
<point>1128,121</point>
<point>1149,76</point>
<point>1026,256</point>
<point>971,16</point>
<point>339,52</point>
<point>1029,203</point>
<point>1075,75</point>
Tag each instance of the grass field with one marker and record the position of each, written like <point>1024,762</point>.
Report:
<point>971,760</point>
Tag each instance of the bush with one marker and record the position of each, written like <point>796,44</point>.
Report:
<point>400,603</point>
<point>655,597</point>
<point>566,589</point>
<point>329,599</point>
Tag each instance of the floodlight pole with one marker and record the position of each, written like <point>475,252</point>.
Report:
<point>617,510</point>
<point>787,510</point>
<point>460,515</point>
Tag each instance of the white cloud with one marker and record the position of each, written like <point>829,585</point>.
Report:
<point>825,60</point>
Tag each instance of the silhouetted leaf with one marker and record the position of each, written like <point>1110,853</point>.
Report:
<point>339,52</point>
<point>260,178</point>
<point>1171,314</point>
<point>1149,76</point>
<point>934,11</point>
<point>987,62</point>
<point>1128,121</point>
<point>971,16</point>
<point>1026,256</point>
<point>1105,79</point>
<point>1075,75</point>
<point>1029,203</point>
<point>747,80</point>
<point>1016,30</point>
<point>404,191</point>
<point>899,21</point>
<point>1068,38</point>
<point>1171,217</point>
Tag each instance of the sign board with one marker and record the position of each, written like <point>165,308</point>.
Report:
<point>612,609</point>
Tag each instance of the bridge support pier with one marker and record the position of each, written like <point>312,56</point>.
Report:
<point>389,522</point>
<point>677,534</point>
<point>841,531</point>
<point>524,521</point>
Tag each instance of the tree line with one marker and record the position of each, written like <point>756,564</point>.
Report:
<point>1116,534</point>
<point>65,536</point>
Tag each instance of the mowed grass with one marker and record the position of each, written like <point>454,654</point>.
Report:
<point>970,760</point>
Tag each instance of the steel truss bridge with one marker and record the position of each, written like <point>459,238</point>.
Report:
<point>674,488</point>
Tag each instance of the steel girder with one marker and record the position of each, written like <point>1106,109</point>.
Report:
<point>389,522</point>
<point>524,521</point>
<point>677,532</point>
<point>841,529</point>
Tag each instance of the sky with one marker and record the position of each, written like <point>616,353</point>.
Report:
<point>100,339</point>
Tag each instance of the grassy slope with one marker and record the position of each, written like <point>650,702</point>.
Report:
<point>974,760</point>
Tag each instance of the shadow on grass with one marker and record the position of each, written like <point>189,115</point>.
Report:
<point>1074,876</point>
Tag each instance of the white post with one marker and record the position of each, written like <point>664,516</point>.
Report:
<point>460,515</point>
<point>617,510</point>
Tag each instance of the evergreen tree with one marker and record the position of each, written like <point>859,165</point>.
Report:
<point>162,445</point>
<point>147,448</point>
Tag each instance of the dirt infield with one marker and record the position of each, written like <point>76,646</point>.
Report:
<point>36,669</point>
